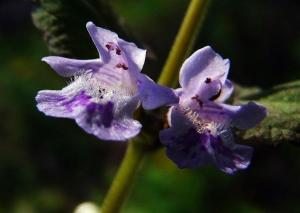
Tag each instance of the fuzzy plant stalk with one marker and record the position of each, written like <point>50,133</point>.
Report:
<point>132,160</point>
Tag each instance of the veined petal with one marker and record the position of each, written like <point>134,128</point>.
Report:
<point>230,157</point>
<point>107,119</point>
<point>246,116</point>
<point>186,148</point>
<point>102,121</point>
<point>203,65</point>
<point>70,67</point>
<point>153,95</point>
<point>62,103</point>
<point>101,37</point>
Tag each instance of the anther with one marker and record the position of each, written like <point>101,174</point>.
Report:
<point>207,80</point>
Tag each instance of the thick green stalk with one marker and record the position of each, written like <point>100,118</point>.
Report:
<point>125,177</point>
<point>184,41</point>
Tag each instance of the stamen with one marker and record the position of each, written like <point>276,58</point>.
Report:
<point>122,65</point>
<point>118,51</point>
<point>208,80</point>
<point>203,125</point>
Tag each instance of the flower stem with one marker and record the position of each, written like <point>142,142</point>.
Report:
<point>124,179</point>
<point>184,41</point>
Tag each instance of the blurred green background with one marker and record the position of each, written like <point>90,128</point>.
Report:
<point>51,165</point>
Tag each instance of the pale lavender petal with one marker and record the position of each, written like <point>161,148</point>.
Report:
<point>231,158</point>
<point>101,37</point>
<point>59,103</point>
<point>70,67</point>
<point>135,56</point>
<point>246,116</point>
<point>153,95</point>
<point>227,90</point>
<point>203,65</point>
<point>101,121</point>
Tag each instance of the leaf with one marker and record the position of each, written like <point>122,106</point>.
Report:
<point>283,121</point>
<point>63,24</point>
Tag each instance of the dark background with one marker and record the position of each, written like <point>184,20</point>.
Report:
<point>51,165</point>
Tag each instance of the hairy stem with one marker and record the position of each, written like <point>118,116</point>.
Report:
<point>124,179</point>
<point>184,41</point>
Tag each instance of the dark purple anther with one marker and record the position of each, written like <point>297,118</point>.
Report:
<point>118,51</point>
<point>122,65</point>
<point>207,80</point>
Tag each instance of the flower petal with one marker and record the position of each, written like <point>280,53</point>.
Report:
<point>246,116</point>
<point>153,95</point>
<point>231,157</point>
<point>60,103</point>
<point>187,149</point>
<point>203,65</point>
<point>70,67</point>
<point>101,37</point>
<point>227,90</point>
<point>135,56</point>
<point>108,120</point>
<point>101,121</point>
<point>185,146</point>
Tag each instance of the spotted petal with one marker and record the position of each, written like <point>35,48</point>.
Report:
<point>135,56</point>
<point>128,53</point>
<point>101,37</point>
<point>202,65</point>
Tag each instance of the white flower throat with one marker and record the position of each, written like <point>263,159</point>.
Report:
<point>101,91</point>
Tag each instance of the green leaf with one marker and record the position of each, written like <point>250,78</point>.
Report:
<point>283,121</point>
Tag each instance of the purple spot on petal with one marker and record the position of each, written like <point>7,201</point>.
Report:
<point>100,114</point>
<point>107,115</point>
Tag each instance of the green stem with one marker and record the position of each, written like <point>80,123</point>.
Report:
<point>125,177</point>
<point>184,41</point>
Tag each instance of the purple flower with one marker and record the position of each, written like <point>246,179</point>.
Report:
<point>200,124</point>
<point>104,92</point>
